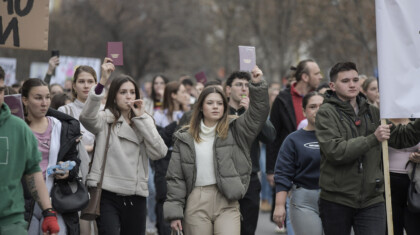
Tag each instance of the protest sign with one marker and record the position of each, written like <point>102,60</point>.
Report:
<point>24,24</point>
<point>65,70</point>
<point>398,39</point>
<point>9,67</point>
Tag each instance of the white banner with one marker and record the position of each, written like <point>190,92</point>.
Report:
<point>9,67</point>
<point>398,41</point>
<point>65,70</point>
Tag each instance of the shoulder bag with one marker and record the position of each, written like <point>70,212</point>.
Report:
<point>92,211</point>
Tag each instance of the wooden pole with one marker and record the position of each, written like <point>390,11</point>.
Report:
<point>387,183</point>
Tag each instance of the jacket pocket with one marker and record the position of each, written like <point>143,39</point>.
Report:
<point>348,180</point>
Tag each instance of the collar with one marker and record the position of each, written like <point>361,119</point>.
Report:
<point>207,131</point>
<point>237,112</point>
<point>78,103</point>
<point>293,90</point>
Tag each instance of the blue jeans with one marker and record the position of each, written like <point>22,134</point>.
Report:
<point>338,219</point>
<point>151,202</point>
<point>289,226</point>
<point>266,190</point>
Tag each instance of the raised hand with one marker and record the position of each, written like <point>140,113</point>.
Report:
<point>107,68</point>
<point>256,74</point>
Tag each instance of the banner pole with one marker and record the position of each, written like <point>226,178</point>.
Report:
<point>387,184</point>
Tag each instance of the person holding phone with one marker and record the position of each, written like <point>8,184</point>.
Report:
<point>53,62</point>
<point>210,167</point>
<point>133,139</point>
<point>57,135</point>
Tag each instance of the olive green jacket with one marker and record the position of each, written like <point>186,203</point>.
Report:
<point>232,162</point>
<point>351,163</point>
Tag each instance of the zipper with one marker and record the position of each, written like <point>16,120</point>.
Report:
<point>360,169</point>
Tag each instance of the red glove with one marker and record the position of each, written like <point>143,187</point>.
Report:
<point>50,223</point>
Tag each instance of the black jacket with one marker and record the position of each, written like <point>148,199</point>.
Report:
<point>70,132</point>
<point>283,119</point>
<point>266,136</point>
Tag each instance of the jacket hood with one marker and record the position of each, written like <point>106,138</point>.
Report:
<point>4,113</point>
<point>345,106</point>
<point>184,136</point>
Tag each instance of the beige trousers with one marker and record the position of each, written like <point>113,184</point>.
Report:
<point>208,212</point>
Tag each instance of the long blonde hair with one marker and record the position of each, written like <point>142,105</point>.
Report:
<point>223,124</point>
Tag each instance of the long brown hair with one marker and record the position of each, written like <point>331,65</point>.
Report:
<point>170,88</point>
<point>79,70</point>
<point>197,115</point>
<point>112,94</point>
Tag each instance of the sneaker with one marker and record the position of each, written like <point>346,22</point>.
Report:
<point>281,230</point>
<point>265,206</point>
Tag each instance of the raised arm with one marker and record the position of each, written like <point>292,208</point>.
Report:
<point>53,62</point>
<point>90,117</point>
<point>248,126</point>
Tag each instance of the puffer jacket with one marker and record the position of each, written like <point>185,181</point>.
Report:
<point>126,168</point>
<point>351,163</point>
<point>232,161</point>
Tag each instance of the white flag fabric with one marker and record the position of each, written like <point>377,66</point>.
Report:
<point>398,41</point>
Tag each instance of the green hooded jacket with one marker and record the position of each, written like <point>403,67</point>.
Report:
<point>351,156</point>
<point>19,155</point>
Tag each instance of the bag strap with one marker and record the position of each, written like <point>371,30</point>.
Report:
<point>99,184</point>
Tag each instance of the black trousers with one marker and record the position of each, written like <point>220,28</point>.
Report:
<point>250,206</point>
<point>123,215</point>
<point>401,216</point>
<point>161,167</point>
<point>338,219</point>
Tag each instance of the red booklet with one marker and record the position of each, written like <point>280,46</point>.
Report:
<point>115,52</point>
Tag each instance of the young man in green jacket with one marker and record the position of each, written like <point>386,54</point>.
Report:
<point>19,156</point>
<point>350,134</point>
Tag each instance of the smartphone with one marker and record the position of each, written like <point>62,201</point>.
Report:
<point>55,53</point>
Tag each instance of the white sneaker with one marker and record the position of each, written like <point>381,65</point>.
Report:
<point>281,230</point>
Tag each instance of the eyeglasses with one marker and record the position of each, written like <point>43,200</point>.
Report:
<point>240,84</point>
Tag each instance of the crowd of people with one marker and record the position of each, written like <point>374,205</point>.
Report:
<point>206,158</point>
